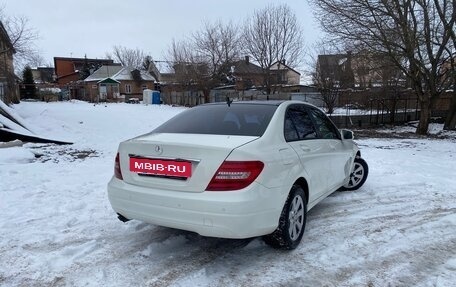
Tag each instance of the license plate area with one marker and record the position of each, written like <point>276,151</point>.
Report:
<point>179,169</point>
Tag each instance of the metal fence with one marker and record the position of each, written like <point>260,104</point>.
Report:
<point>376,112</point>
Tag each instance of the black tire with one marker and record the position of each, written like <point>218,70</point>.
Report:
<point>358,176</point>
<point>294,215</point>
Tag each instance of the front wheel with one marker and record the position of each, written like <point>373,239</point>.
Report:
<point>358,175</point>
<point>292,221</point>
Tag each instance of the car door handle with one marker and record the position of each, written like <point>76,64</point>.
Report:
<point>305,148</point>
<point>332,146</point>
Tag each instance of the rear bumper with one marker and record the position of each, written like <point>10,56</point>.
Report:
<point>250,212</point>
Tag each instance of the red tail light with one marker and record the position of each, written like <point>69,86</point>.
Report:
<point>117,171</point>
<point>235,175</point>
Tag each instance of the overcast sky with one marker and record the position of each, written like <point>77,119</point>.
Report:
<point>93,27</point>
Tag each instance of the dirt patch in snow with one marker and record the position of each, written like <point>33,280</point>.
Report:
<point>57,153</point>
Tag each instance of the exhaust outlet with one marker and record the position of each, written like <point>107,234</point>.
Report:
<point>122,218</point>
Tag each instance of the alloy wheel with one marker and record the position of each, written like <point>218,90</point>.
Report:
<point>357,175</point>
<point>296,217</point>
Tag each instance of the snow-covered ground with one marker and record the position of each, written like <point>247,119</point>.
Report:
<point>58,229</point>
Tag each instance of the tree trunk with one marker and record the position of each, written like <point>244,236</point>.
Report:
<point>267,83</point>
<point>450,122</point>
<point>393,111</point>
<point>425,117</point>
<point>268,90</point>
<point>207,98</point>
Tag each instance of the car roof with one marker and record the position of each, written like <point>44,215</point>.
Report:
<point>257,102</point>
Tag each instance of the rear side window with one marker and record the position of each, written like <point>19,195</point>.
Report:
<point>325,127</point>
<point>298,124</point>
<point>237,119</point>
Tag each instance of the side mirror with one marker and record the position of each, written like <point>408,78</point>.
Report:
<point>347,134</point>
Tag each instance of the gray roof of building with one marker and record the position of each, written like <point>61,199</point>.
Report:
<point>117,73</point>
<point>103,72</point>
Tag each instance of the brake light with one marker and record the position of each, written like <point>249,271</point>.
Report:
<point>235,175</point>
<point>117,171</point>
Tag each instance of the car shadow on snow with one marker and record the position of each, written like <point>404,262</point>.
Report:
<point>163,240</point>
<point>168,255</point>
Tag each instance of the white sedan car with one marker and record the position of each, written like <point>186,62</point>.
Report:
<point>236,170</point>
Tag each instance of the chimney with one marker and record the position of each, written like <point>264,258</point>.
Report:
<point>247,60</point>
<point>283,61</point>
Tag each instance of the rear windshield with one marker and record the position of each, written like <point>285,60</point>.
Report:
<point>238,119</point>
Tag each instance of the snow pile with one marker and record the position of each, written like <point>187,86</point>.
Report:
<point>16,155</point>
<point>5,123</point>
<point>58,229</point>
<point>13,127</point>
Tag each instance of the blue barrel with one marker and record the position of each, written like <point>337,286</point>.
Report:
<point>156,98</point>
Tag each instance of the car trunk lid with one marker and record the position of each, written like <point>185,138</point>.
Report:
<point>180,162</point>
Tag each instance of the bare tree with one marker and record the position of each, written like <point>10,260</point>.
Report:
<point>329,90</point>
<point>128,57</point>
<point>191,72</point>
<point>217,44</point>
<point>210,52</point>
<point>181,59</point>
<point>325,77</point>
<point>273,34</point>
<point>20,52</point>
<point>203,60</point>
<point>22,37</point>
<point>450,121</point>
<point>38,61</point>
<point>413,34</point>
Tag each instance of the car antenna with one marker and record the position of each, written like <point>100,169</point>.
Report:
<point>228,101</point>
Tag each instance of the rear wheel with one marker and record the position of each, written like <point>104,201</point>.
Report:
<point>358,175</point>
<point>292,221</point>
